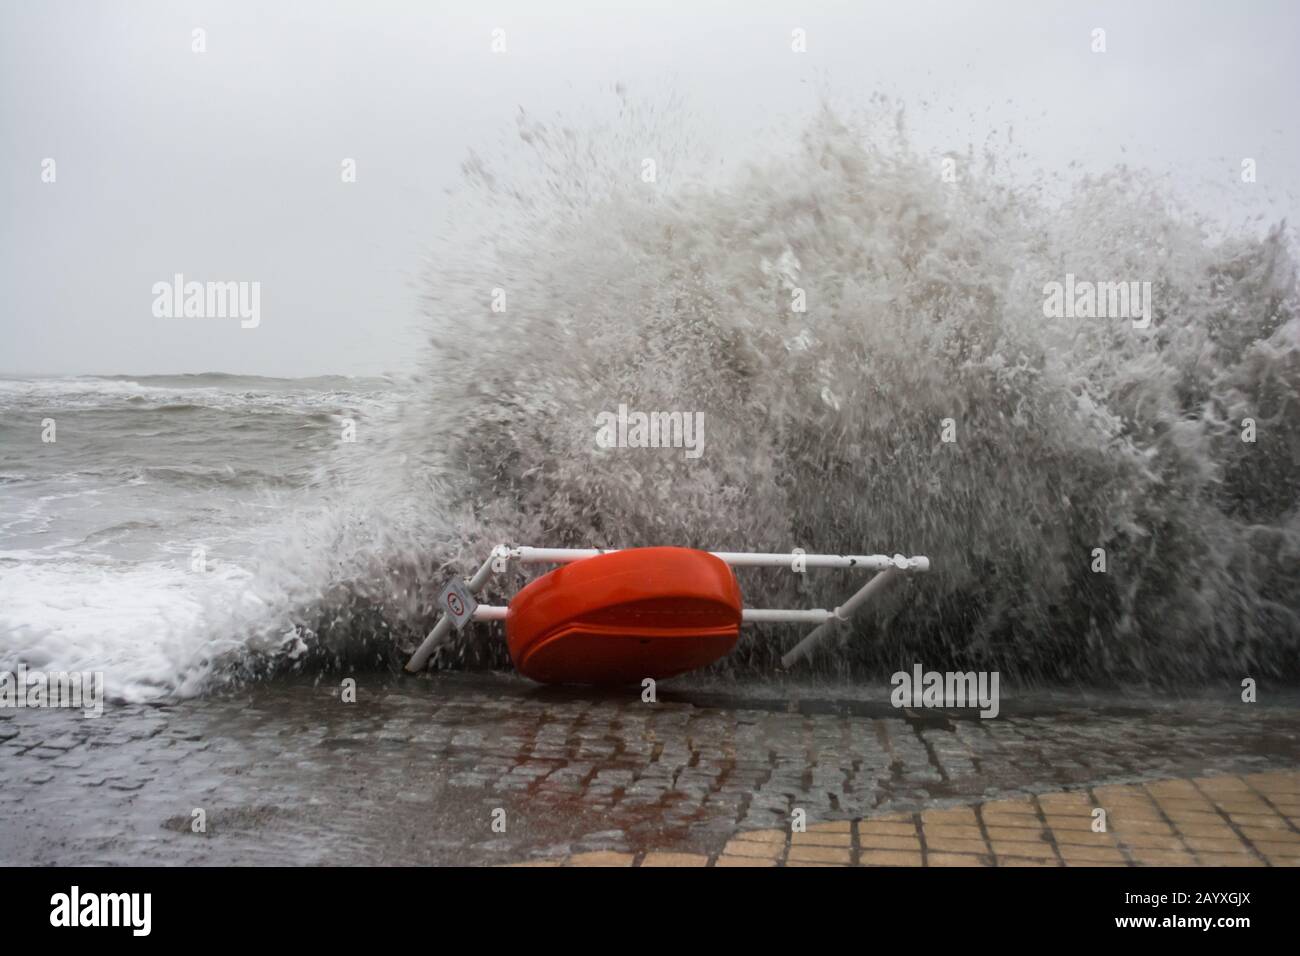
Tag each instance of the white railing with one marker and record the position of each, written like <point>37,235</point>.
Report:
<point>887,569</point>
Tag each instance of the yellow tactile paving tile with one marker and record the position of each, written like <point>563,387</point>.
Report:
<point>888,858</point>
<point>872,842</point>
<point>843,838</point>
<point>884,828</point>
<point>945,818</point>
<point>819,854</point>
<point>601,858</point>
<point>956,846</point>
<point>1095,854</point>
<point>1024,851</point>
<point>1230,820</point>
<point>767,851</point>
<point>675,859</point>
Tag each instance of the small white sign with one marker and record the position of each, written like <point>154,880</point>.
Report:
<point>459,604</point>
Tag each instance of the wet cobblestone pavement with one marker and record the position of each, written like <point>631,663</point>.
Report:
<point>417,770</point>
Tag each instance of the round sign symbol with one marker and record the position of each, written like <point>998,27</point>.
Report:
<point>454,605</point>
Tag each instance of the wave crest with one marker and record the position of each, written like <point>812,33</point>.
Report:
<point>924,303</point>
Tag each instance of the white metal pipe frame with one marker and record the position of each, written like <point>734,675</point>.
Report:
<point>887,568</point>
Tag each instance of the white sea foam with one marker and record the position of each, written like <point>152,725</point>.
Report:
<point>142,625</point>
<point>924,304</point>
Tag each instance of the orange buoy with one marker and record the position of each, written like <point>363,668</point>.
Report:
<point>625,616</point>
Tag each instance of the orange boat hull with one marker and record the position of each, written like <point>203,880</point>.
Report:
<point>622,617</point>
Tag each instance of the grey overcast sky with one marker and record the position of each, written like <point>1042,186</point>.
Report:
<point>226,164</point>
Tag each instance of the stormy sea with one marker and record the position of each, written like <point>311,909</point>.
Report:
<point>870,351</point>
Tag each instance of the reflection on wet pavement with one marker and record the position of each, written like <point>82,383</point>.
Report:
<point>418,771</point>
